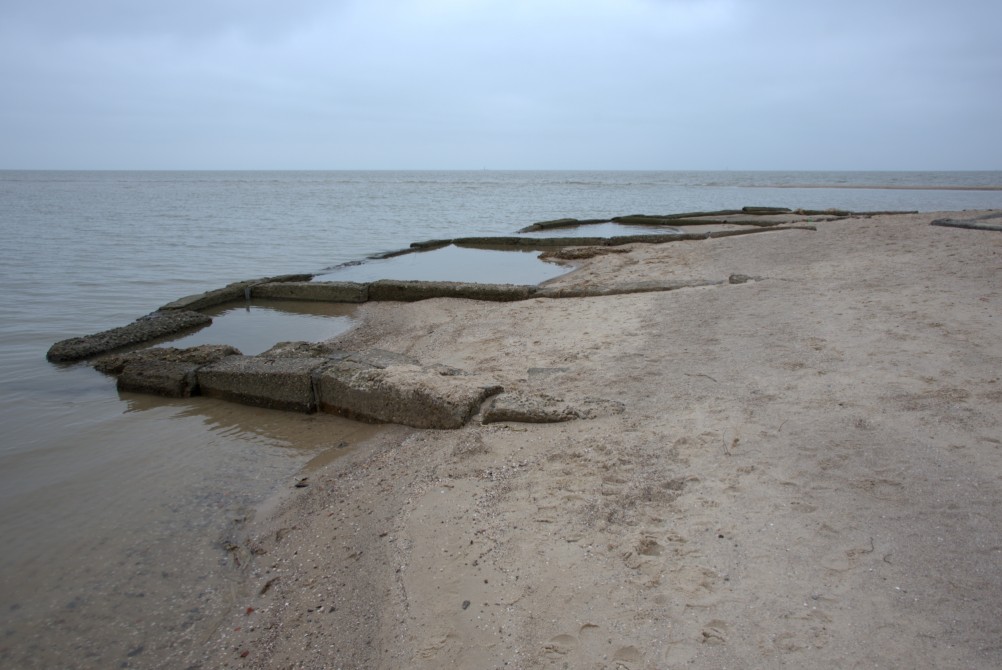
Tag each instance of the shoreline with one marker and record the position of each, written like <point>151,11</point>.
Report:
<point>789,448</point>
<point>888,187</point>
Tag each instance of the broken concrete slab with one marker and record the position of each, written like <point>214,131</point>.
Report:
<point>524,408</point>
<point>410,395</point>
<point>975,223</point>
<point>236,291</point>
<point>144,329</point>
<point>167,371</point>
<point>327,291</point>
<point>412,291</point>
<point>541,408</point>
<point>371,385</point>
<point>264,381</point>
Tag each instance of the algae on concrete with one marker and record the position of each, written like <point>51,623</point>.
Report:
<point>144,329</point>
<point>166,371</point>
<point>327,291</point>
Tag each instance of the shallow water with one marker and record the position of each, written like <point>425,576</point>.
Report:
<point>114,507</point>
<point>256,325</point>
<point>118,556</point>
<point>453,263</point>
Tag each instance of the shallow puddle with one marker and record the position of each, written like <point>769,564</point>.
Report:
<point>453,263</point>
<point>257,325</point>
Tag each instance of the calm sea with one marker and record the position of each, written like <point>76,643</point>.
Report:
<point>115,509</point>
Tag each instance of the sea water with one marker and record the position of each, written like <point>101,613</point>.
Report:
<point>115,509</point>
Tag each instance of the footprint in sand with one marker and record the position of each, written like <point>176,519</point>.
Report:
<point>560,645</point>
<point>715,632</point>
<point>628,655</point>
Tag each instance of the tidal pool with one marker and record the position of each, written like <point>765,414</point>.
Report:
<point>453,263</point>
<point>256,325</point>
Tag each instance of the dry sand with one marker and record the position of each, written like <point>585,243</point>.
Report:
<point>807,474</point>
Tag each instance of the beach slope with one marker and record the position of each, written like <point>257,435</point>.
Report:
<point>806,472</point>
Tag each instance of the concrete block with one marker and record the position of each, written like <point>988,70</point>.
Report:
<point>229,293</point>
<point>150,327</point>
<point>411,291</point>
<point>328,291</point>
<point>406,394</point>
<point>165,371</point>
<point>263,381</point>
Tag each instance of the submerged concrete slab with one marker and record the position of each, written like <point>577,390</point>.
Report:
<point>406,394</point>
<point>150,327</point>
<point>328,291</point>
<point>165,371</point>
<point>263,381</point>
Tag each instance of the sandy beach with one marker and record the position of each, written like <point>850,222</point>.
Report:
<point>806,473</point>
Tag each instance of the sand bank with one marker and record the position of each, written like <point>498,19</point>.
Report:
<point>807,473</point>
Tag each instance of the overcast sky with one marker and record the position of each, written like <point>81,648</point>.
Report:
<point>501,84</point>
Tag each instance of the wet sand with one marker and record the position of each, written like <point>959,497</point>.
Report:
<point>808,474</point>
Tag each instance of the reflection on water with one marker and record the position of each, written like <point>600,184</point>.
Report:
<point>126,560</point>
<point>255,326</point>
<point>608,229</point>
<point>453,263</point>
<point>117,524</point>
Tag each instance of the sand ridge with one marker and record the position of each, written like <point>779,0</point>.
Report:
<point>807,473</point>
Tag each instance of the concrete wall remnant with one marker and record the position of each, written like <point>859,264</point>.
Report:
<point>263,381</point>
<point>183,314</point>
<point>166,371</point>
<point>143,329</point>
<point>327,291</point>
<point>411,291</point>
<point>235,291</point>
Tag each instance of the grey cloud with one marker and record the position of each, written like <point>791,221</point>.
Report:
<point>590,83</point>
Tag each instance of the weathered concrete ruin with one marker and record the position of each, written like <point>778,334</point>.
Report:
<point>383,386</point>
<point>140,331</point>
<point>374,385</point>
